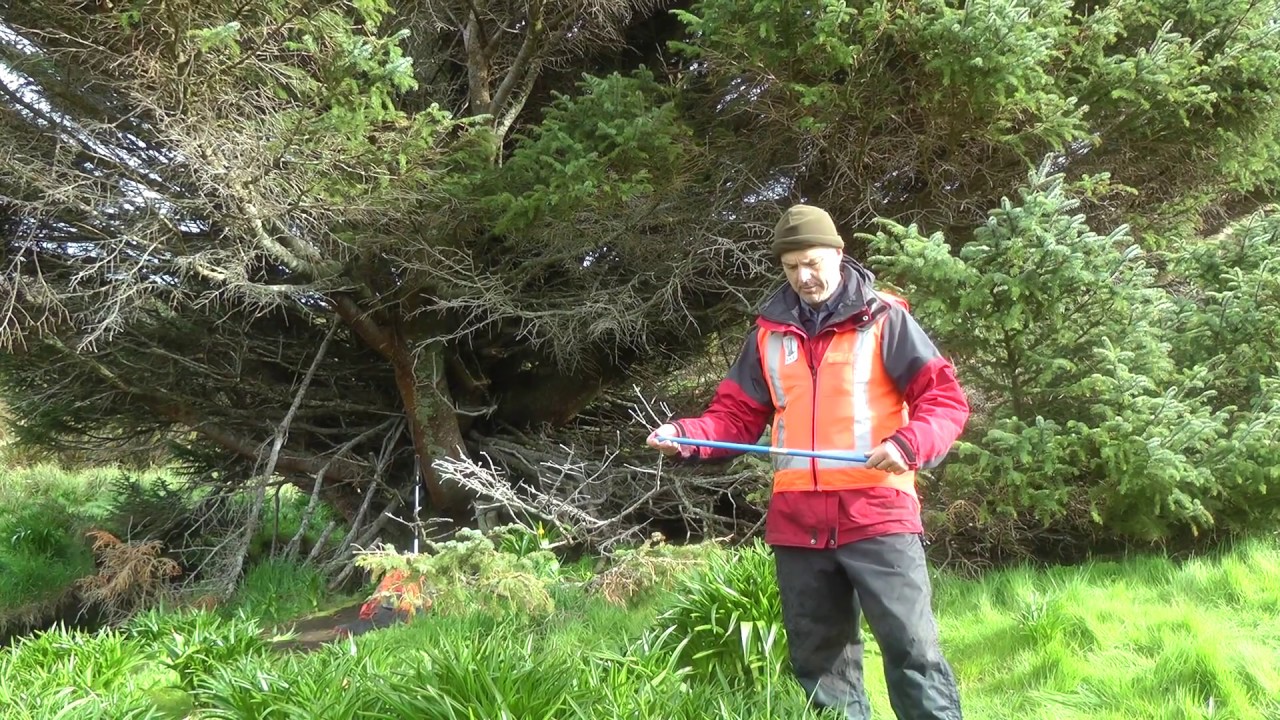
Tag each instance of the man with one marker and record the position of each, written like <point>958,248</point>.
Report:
<point>837,365</point>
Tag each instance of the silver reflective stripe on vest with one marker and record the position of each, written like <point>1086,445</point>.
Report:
<point>774,351</point>
<point>785,462</point>
<point>863,349</point>
<point>863,360</point>
<point>790,462</point>
<point>772,359</point>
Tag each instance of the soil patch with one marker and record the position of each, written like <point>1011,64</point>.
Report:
<point>311,632</point>
<point>398,598</point>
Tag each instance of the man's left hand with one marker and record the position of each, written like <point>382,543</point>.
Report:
<point>887,457</point>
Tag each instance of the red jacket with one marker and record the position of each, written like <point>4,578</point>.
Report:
<point>937,411</point>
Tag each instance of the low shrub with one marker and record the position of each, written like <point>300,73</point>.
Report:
<point>130,576</point>
<point>46,559</point>
<point>192,643</point>
<point>458,574</point>
<point>727,619</point>
<point>637,573</point>
<point>278,589</point>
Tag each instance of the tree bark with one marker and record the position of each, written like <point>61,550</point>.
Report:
<point>479,95</point>
<point>433,423</point>
<point>425,397</point>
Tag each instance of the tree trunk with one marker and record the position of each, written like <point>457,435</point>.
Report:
<point>425,397</point>
<point>433,423</point>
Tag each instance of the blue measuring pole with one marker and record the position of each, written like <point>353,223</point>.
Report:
<point>769,450</point>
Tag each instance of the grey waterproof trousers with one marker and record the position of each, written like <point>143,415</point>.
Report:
<point>885,577</point>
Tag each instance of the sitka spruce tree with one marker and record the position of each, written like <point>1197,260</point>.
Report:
<point>337,242</point>
<point>341,243</point>
<point>1113,402</point>
<point>933,110</point>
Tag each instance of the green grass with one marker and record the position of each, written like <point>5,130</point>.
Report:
<point>276,590</point>
<point>1140,638</point>
<point>86,492</point>
<point>1145,638</point>
<point>45,511</point>
<point>284,525</point>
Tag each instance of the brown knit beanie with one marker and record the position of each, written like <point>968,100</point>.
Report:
<point>805,226</point>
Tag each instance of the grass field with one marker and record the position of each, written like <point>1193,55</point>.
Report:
<point>47,511</point>
<point>1142,638</point>
<point>1139,639</point>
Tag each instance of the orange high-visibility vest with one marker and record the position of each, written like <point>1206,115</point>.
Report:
<point>847,402</point>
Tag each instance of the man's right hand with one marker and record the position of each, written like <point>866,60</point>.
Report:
<point>666,447</point>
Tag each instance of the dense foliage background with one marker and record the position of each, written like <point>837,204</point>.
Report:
<point>348,246</point>
<point>291,287</point>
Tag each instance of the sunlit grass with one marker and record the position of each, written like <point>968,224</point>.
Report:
<point>1145,638</point>
<point>1141,638</point>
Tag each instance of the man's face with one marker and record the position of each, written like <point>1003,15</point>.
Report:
<point>814,273</point>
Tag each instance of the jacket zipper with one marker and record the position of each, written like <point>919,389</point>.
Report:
<point>813,406</point>
<point>830,540</point>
